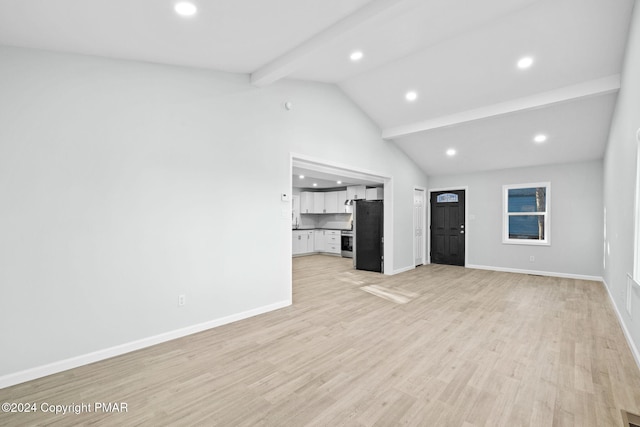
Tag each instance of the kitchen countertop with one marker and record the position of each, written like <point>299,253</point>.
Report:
<point>315,228</point>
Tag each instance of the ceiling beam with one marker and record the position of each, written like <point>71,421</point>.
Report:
<point>596,87</point>
<point>287,63</point>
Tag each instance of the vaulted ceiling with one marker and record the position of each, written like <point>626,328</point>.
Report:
<point>458,56</point>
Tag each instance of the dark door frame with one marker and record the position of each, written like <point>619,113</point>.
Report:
<point>464,188</point>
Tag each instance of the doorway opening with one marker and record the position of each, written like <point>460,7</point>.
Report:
<point>447,226</point>
<point>321,170</point>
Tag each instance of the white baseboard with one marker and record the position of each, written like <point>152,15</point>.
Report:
<point>536,272</point>
<point>402,270</point>
<point>96,356</point>
<point>316,253</point>
<point>627,335</point>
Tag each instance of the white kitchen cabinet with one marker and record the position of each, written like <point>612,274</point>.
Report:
<point>318,202</point>
<point>342,197</point>
<point>332,241</point>
<point>296,244</point>
<point>331,202</point>
<point>333,249</point>
<point>376,193</point>
<point>325,241</point>
<point>321,202</point>
<point>309,246</point>
<point>318,240</point>
<point>302,242</point>
<point>306,202</point>
<point>356,192</point>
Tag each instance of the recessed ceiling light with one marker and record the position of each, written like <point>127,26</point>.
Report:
<point>185,8</point>
<point>338,182</point>
<point>301,176</point>
<point>411,96</point>
<point>525,62</point>
<point>540,138</point>
<point>315,184</point>
<point>451,152</point>
<point>356,56</point>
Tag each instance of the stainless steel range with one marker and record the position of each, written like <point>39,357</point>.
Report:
<point>346,245</point>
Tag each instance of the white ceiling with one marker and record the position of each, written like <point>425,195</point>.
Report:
<point>458,55</point>
<point>326,179</point>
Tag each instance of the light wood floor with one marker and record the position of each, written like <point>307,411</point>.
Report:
<point>470,348</point>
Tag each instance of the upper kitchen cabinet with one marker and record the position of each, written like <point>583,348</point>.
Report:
<point>331,202</point>
<point>328,202</point>
<point>356,192</point>
<point>342,197</point>
<point>306,202</point>
<point>318,202</point>
<point>376,193</point>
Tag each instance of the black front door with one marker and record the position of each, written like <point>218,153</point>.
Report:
<point>369,233</point>
<point>447,227</point>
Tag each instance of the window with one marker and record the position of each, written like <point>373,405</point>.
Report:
<point>447,198</point>
<point>526,213</point>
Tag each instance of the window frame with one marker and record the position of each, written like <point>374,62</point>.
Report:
<point>546,214</point>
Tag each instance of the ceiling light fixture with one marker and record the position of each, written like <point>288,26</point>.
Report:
<point>356,56</point>
<point>338,182</point>
<point>301,176</point>
<point>525,62</point>
<point>185,8</point>
<point>315,184</point>
<point>451,152</point>
<point>411,96</point>
<point>540,138</point>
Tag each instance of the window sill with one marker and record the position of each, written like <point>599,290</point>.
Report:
<point>526,242</point>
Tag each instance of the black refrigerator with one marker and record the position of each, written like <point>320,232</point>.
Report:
<point>368,234</point>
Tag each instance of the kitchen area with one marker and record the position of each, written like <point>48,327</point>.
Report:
<point>327,216</point>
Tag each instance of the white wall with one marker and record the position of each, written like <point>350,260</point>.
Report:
<point>125,184</point>
<point>576,219</point>
<point>620,184</point>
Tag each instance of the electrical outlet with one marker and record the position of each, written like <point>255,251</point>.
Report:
<point>532,259</point>
<point>182,300</point>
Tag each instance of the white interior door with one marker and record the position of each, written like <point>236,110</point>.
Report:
<point>418,224</point>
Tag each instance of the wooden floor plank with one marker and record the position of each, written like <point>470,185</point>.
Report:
<point>469,347</point>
